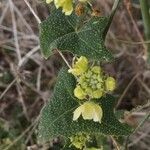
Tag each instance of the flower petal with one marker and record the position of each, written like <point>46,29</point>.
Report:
<point>68,7</point>
<point>98,113</point>
<point>88,111</point>
<point>59,3</point>
<point>79,67</point>
<point>77,113</point>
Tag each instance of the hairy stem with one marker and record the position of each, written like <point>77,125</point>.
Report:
<point>146,20</point>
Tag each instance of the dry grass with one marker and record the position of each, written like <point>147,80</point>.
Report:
<point>27,80</point>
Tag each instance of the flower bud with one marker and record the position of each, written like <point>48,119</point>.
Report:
<point>110,84</point>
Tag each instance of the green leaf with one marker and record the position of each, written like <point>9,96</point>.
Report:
<point>56,117</point>
<point>63,33</point>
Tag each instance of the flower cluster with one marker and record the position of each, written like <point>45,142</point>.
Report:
<point>79,140</point>
<point>91,84</point>
<point>66,5</point>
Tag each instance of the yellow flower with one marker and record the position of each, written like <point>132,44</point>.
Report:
<point>79,93</point>
<point>89,111</point>
<point>110,84</point>
<point>79,67</point>
<point>67,5</point>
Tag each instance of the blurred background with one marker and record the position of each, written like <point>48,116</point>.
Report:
<point>27,79</point>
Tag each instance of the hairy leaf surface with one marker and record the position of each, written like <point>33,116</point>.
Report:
<point>56,117</point>
<point>65,33</point>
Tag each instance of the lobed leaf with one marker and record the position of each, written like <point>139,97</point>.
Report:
<point>56,117</point>
<point>66,34</point>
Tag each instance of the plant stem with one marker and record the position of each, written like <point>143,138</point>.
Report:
<point>64,59</point>
<point>115,143</point>
<point>32,11</point>
<point>114,8</point>
<point>146,20</point>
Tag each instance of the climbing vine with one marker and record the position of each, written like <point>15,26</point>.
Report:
<point>82,106</point>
